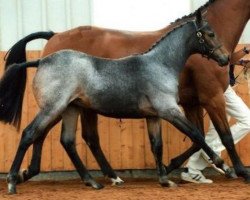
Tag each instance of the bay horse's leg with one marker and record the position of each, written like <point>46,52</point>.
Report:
<point>217,113</point>
<point>91,137</point>
<point>195,115</point>
<point>155,137</point>
<point>69,125</point>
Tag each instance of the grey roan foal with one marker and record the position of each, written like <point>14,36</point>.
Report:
<point>137,86</point>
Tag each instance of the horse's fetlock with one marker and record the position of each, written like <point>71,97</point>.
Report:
<point>218,161</point>
<point>12,178</point>
<point>67,143</point>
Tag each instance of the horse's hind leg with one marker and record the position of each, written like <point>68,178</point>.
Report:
<point>90,135</point>
<point>69,126</point>
<point>34,132</point>
<point>155,137</point>
<point>34,167</point>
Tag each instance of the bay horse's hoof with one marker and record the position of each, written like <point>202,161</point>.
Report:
<point>11,188</point>
<point>93,184</point>
<point>166,183</point>
<point>117,181</point>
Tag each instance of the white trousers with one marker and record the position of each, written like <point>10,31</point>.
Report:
<point>235,108</point>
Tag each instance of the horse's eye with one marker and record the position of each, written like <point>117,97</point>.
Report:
<point>211,34</point>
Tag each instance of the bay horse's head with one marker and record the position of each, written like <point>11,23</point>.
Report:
<point>209,43</point>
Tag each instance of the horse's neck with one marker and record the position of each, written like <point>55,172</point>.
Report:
<point>176,47</point>
<point>228,18</point>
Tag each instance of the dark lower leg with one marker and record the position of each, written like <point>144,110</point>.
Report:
<point>81,169</point>
<point>90,135</point>
<point>179,160</point>
<point>69,125</point>
<point>34,167</point>
<point>194,113</point>
<point>222,127</point>
<point>182,124</point>
<point>155,137</point>
<point>32,133</point>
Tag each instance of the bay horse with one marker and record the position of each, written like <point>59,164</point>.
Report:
<point>199,87</point>
<point>138,86</point>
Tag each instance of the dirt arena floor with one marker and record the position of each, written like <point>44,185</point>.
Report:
<point>146,189</point>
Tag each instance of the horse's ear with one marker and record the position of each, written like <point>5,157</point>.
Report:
<point>198,17</point>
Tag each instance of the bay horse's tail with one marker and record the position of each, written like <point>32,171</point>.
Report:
<point>17,53</point>
<point>12,87</point>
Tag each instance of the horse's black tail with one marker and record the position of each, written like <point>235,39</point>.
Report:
<point>17,53</point>
<point>12,87</point>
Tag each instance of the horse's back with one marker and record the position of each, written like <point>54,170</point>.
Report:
<point>102,42</point>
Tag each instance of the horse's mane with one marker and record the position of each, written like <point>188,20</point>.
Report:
<point>181,24</point>
<point>166,35</point>
<point>193,13</point>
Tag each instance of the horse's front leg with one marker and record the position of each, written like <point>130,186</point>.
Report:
<point>177,119</point>
<point>217,113</point>
<point>91,137</point>
<point>155,137</point>
<point>195,115</point>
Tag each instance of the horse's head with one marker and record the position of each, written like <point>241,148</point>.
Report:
<point>209,43</point>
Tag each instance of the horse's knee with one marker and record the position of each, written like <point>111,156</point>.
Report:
<point>156,144</point>
<point>27,139</point>
<point>67,142</point>
<point>171,114</point>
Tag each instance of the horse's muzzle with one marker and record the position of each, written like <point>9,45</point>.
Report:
<point>223,60</point>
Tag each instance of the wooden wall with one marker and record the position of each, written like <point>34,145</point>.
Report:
<point>124,142</point>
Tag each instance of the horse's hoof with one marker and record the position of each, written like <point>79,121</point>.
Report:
<point>94,184</point>
<point>11,188</point>
<point>229,173</point>
<point>117,181</point>
<point>166,183</point>
<point>247,178</point>
<point>21,176</point>
<point>247,181</point>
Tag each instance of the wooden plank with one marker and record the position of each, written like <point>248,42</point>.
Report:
<point>57,151</point>
<point>2,127</point>
<point>103,130</point>
<point>149,158</point>
<point>115,154</point>
<point>82,146</point>
<point>127,143</point>
<point>173,142</point>
<point>165,141</point>
<point>138,130</point>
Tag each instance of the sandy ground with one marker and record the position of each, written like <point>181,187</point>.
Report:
<point>146,189</point>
